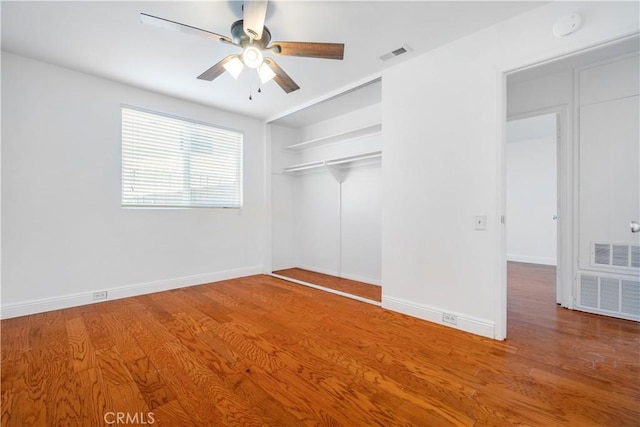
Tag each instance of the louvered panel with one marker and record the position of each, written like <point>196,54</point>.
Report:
<point>602,254</point>
<point>620,255</point>
<point>609,294</point>
<point>630,297</point>
<point>615,255</point>
<point>589,291</point>
<point>635,257</point>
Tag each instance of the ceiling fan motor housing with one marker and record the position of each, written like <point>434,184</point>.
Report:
<point>241,38</point>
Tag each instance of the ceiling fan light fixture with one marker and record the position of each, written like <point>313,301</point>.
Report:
<point>252,57</point>
<point>251,35</point>
<point>234,67</point>
<point>266,73</point>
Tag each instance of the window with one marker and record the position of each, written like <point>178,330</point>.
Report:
<point>172,162</point>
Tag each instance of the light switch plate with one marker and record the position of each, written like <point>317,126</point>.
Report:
<point>481,222</point>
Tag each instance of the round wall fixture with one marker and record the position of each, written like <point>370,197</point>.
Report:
<point>567,25</point>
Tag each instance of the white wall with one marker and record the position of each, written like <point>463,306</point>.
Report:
<point>443,165</point>
<point>361,227</point>
<point>352,120</point>
<point>317,223</point>
<point>532,200</point>
<point>335,226</point>
<point>546,91</point>
<point>283,206</point>
<point>64,233</point>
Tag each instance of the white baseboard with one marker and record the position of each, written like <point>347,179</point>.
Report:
<point>482,327</point>
<point>84,298</point>
<point>355,277</point>
<point>532,259</point>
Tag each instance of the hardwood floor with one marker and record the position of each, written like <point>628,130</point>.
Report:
<point>364,290</point>
<point>262,351</point>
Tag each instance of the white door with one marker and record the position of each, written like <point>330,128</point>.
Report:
<point>608,276</point>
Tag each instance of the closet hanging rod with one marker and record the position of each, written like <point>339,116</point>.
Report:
<point>350,159</point>
<point>304,166</point>
<point>332,162</point>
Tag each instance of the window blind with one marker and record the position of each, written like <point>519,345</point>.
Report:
<point>172,162</point>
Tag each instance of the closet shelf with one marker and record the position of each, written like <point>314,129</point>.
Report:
<point>342,136</point>
<point>340,161</point>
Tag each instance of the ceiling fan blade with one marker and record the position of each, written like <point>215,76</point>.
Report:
<point>309,49</point>
<point>215,71</point>
<point>187,29</point>
<point>282,79</point>
<point>254,14</point>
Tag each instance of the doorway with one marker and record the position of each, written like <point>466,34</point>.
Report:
<point>532,193</point>
<point>577,88</point>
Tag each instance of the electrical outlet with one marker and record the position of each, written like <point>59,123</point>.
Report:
<point>97,296</point>
<point>450,318</point>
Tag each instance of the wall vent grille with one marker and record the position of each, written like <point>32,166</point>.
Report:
<point>630,297</point>
<point>602,254</point>
<point>589,291</point>
<point>635,256</point>
<point>620,255</point>
<point>609,295</point>
<point>615,255</point>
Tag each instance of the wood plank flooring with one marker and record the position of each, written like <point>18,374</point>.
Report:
<point>262,351</point>
<point>364,290</point>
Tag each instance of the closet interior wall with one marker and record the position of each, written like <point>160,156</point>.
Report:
<point>326,180</point>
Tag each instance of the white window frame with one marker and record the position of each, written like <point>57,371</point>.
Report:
<point>158,171</point>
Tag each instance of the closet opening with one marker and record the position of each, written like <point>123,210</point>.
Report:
<point>326,163</point>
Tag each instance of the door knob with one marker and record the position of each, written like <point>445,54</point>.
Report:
<point>635,226</point>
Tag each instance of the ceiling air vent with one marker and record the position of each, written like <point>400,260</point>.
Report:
<point>396,52</point>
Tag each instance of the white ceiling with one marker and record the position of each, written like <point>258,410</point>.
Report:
<point>106,39</point>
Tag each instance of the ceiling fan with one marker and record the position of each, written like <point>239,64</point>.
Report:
<point>251,35</point>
